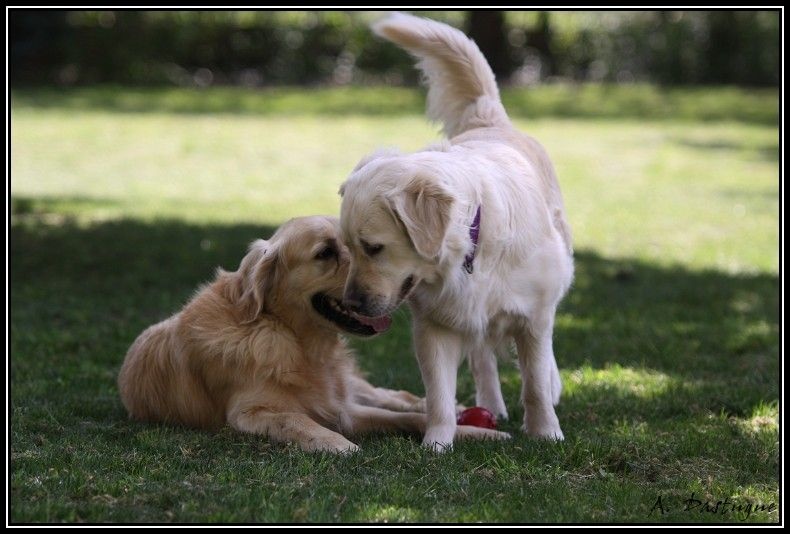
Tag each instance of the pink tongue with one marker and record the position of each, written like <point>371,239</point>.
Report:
<point>379,324</point>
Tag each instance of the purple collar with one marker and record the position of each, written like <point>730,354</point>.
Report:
<point>474,233</point>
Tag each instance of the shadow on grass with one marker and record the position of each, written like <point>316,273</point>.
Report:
<point>765,152</point>
<point>43,205</point>
<point>697,325</point>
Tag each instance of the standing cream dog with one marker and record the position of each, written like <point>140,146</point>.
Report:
<point>471,232</point>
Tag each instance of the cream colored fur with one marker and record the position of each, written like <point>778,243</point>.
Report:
<point>419,207</point>
<point>249,350</point>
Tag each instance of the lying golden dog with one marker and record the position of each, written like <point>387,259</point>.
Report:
<point>260,350</point>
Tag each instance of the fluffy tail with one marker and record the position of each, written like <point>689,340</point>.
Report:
<point>462,91</point>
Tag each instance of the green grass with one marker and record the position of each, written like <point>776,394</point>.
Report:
<point>124,201</point>
<point>634,101</point>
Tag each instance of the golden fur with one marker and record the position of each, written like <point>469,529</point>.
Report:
<point>251,350</point>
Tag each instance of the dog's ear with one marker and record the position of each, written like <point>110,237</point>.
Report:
<point>255,274</point>
<point>423,207</point>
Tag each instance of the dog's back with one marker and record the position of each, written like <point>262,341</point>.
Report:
<point>463,96</point>
<point>155,386</point>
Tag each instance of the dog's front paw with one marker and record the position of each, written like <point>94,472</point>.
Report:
<point>439,438</point>
<point>542,424</point>
<point>552,435</point>
<point>496,434</point>
<point>475,432</point>
<point>335,445</point>
<point>549,432</point>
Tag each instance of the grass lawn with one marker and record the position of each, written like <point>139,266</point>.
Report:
<point>124,201</point>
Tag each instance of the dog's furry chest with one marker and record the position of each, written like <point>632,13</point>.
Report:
<point>497,296</point>
<point>462,307</point>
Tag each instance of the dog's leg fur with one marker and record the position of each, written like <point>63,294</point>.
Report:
<point>289,427</point>
<point>438,353</point>
<point>474,432</point>
<point>367,394</point>
<point>482,361</point>
<point>366,419</point>
<point>538,374</point>
<point>556,383</point>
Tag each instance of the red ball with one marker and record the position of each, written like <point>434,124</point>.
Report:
<point>477,416</point>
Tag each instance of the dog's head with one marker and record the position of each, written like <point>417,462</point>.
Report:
<point>298,276</point>
<point>394,217</point>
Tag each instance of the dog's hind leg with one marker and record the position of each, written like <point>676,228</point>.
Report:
<point>366,419</point>
<point>488,392</point>
<point>367,394</point>
<point>289,427</point>
<point>538,376</point>
<point>556,384</point>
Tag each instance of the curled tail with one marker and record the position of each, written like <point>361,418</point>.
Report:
<point>462,90</point>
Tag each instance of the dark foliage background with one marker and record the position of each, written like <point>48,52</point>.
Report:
<point>257,48</point>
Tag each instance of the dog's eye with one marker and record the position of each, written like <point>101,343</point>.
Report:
<point>371,250</point>
<point>326,253</point>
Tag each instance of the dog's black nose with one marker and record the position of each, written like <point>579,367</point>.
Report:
<point>354,299</point>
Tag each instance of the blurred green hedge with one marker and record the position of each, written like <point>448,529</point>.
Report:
<point>254,48</point>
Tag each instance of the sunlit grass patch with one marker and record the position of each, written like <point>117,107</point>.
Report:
<point>763,421</point>
<point>387,514</point>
